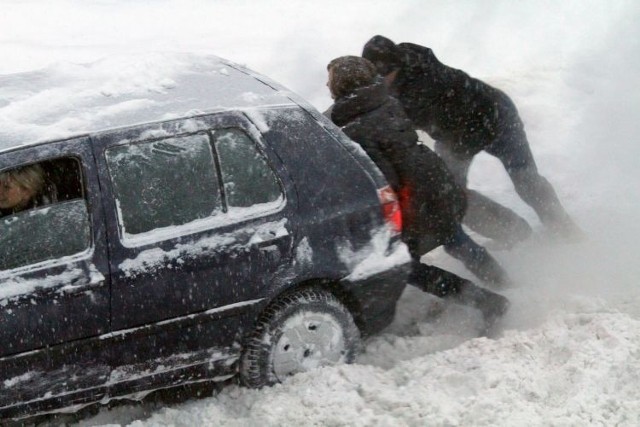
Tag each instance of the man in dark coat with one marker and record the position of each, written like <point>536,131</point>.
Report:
<point>465,116</point>
<point>432,203</point>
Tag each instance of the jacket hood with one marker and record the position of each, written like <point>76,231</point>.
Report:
<point>362,100</point>
<point>383,53</point>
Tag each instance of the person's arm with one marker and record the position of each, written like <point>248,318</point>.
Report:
<point>387,169</point>
<point>373,148</point>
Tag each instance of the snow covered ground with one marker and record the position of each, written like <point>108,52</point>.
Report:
<point>569,354</point>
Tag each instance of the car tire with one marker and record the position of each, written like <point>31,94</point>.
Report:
<point>300,331</point>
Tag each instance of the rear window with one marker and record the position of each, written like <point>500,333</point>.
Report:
<point>247,178</point>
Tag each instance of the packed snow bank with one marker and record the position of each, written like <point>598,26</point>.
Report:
<point>569,355</point>
<point>577,368</point>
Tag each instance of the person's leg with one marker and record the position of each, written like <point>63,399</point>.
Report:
<point>513,150</point>
<point>457,164</point>
<point>476,258</point>
<point>452,287</point>
<point>491,219</point>
<point>484,216</point>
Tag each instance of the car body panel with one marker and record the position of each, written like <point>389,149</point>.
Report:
<point>146,309</point>
<point>195,267</point>
<point>50,304</point>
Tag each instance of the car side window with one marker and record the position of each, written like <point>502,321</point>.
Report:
<point>43,212</point>
<point>164,183</point>
<point>248,179</point>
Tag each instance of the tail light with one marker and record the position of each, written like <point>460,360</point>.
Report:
<point>390,208</point>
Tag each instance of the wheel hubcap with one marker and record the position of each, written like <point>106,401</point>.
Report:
<point>308,341</point>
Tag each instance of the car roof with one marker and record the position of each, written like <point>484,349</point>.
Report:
<point>66,99</point>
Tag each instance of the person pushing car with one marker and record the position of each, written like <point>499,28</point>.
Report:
<point>432,203</point>
<point>465,116</point>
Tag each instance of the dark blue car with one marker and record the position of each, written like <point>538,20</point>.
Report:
<point>197,225</point>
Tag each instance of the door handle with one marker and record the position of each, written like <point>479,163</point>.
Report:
<point>78,288</point>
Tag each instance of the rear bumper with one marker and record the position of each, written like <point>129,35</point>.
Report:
<point>374,298</point>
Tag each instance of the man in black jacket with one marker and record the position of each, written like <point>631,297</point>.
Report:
<point>465,116</point>
<point>432,203</point>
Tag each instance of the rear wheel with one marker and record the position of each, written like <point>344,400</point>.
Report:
<point>301,331</point>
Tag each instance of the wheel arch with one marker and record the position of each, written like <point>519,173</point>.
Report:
<point>333,286</point>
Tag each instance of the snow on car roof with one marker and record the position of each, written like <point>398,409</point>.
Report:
<point>66,99</point>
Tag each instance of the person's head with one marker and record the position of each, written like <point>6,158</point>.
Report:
<point>348,73</point>
<point>383,53</point>
<point>19,186</point>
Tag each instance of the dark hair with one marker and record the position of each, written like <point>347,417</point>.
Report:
<point>383,53</point>
<point>349,74</point>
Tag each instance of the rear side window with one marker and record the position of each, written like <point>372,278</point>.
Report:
<point>174,181</point>
<point>248,179</point>
<point>164,183</point>
<point>43,213</point>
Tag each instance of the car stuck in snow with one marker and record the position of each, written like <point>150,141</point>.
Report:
<point>195,221</point>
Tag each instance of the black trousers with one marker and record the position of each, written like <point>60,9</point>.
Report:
<point>491,219</point>
<point>452,287</point>
<point>439,282</point>
<point>475,258</point>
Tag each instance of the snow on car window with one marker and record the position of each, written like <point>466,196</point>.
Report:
<point>254,210</point>
<point>164,183</point>
<point>248,179</point>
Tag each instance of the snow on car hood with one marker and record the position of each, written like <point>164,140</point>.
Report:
<point>67,99</point>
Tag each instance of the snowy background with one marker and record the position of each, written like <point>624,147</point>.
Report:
<point>569,354</point>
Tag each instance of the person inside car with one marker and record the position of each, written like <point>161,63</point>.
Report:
<point>465,116</point>
<point>22,189</point>
<point>432,203</point>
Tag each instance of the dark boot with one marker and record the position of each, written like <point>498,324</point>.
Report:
<point>492,305</point>
<point>477,260</point>
<point>434,280</point>
<point>452,287</point>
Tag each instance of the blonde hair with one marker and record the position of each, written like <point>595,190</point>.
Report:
<point>29,177</point>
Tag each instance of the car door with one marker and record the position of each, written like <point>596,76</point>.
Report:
<point>54,288</point>
<point>197,224</point>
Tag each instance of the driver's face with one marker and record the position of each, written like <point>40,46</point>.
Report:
<point>13,195</point>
